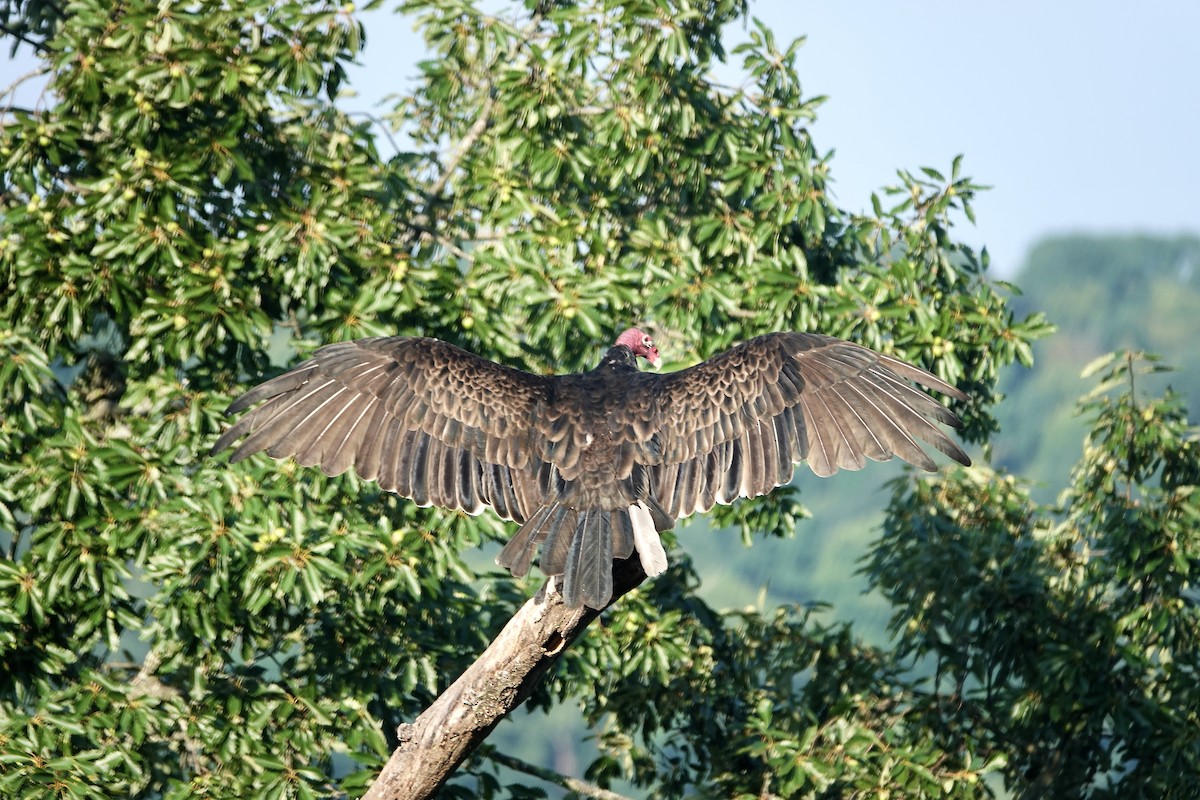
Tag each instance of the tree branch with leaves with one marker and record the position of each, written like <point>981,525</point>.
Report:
<point>195,214</point>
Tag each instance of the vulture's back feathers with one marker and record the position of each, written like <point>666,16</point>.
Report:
<point>595,464</point>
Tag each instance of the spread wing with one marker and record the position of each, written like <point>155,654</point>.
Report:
<point>735,425</point>
<point>424,418</point>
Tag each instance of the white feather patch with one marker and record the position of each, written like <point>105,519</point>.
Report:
<point>647,541</point>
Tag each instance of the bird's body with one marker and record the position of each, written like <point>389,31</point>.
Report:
<point>594,465</point>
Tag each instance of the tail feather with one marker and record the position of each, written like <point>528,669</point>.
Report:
<point>581,545</point>
<point>517,554</point>
<point>587,579</point>
<point>561,528</point>
<point>622,535</point>
<point>646,539</point>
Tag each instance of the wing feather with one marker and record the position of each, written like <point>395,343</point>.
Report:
<point>847,453</point>
<point>622,535</point>
<point>518,552</point>
<point>414,463</point>
<point>867,440</point>
<point>469,472</point>
<point>785,398</point>
<point>309,424</point>
<point>329,429</point>
<point>497,491</point>
<point>276,424</point>
<point>918,425</point>
<point>342,454</point>
<point>557,536</point>
<point>419,415</point>
<point>588,577</point>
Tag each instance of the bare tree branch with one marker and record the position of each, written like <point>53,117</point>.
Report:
<point>434,745</point>
<point>22,37</point>
<point>550,776</point>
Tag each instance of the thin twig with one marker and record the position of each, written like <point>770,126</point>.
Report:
<point>1130,465</point>
<point>377,122</point>
<point>451,247</point>
<point>12,87</point>
<point>145,683</point>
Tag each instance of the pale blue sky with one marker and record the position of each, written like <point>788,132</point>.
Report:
<point>1084,115</point>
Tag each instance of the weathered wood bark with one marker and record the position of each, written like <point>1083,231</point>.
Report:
<point>433,745</point>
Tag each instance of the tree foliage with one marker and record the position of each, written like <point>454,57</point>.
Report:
<point>1069,638</point>
<point>191,209</point>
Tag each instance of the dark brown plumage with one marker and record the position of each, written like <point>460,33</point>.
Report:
<point>596,464</point>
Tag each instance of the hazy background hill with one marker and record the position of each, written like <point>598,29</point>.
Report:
<point>1103,293</point>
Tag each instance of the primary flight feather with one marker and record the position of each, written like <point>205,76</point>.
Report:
<point>593,465</point>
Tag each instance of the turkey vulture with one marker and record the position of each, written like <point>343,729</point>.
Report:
<point>593,465</point>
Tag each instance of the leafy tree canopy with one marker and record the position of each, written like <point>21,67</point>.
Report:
<point>190,198</point>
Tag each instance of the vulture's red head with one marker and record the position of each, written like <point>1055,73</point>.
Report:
<point>641,344</point>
